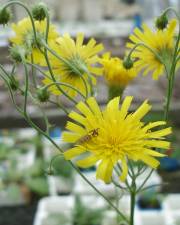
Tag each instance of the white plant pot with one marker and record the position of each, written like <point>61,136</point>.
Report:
<point>172,206</point>
<point>124,204</point>
<point>110,217</point>
<point>172,202</point>
<point>89,200</point>
<point>83,188</point>
<point>54,204</point>
<point>59,185</point>
<point>156,217</point>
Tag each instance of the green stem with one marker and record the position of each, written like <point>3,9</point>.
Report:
<point>173,10</point>
<point>146,46</point>
<point>171,77</point>
<point>114,91</point>
<point>59,105</point>
<point>133,200</point>
<point>33,71</point>
<point>144,182</point>
<point>26,87</point>
<point>27,10</point>
<point>66,85</point>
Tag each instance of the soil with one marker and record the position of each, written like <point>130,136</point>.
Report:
<point>18,215</point>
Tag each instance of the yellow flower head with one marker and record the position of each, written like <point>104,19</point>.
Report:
<point>24,35</point>
<point>83,57</point>
<point>160,41</point>
<point>112,135</point>
<point>114,72</point>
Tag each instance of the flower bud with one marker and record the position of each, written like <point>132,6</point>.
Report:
<point>161,22</point>
<point>5,16</point>
<point>128,63</point>
<point>50,172</point>
<point>43,94</point>
<point>18,53</point>
<point>14,83</point>
<point>39,11</point>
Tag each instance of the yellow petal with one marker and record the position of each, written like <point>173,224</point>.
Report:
<point>104,170</point>
<point>150,161</point>
<point>77,117</point>
<point>70,137</point>
<point>157,144</point>
<point>73,152</point>
<point>160,133</point>
<point>125,106</point>
<point>113,106</point>
<point>141,111</point>
<point>124,170</point>
<point>75,128</point>
<point>154,124</point>
<point>83,108</point>
<point>87,162</point>
<point>94,106</point>
<point>153,153</point>
<point>79,39</point>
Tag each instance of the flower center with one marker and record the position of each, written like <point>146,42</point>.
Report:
<point>77,64</point>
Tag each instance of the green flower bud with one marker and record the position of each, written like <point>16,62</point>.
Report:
<point>50,171</point>
<point>128,63</point>
<point>14,83</point>
<point>5,16</point>
<point>39,11</point>
<point>161,22</point>
<point>43,94</point>
<point>18,53</point>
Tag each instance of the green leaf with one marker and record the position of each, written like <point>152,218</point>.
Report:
<point>38,185</point>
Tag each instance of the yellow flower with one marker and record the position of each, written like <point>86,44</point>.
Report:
<point>23,35</point>
<point>114,72</point>
<point>112,135</point>
<point>161,41</point>
<point>83,57</point>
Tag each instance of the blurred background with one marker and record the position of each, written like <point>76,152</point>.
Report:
<point>28,194</point>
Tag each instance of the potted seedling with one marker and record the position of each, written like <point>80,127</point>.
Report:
<point>84,215</point>
<point>61,182</point>
<point>55,210</point>
<point>149,200</point>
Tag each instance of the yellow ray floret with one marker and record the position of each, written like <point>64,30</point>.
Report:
<point>79,66</point>
<point>110,136</point>
<point>23,35</point>
<point>114,72</point>
<point>161,42</point>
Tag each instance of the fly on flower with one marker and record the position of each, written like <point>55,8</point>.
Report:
<point>120,137</point>
<point>91,134</point>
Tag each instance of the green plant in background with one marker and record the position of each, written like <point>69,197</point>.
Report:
<point>150,199</point>
<point>56,219</point>
<point>33,177</point>
<point>83,215</point>
<point>36,179</point>
<point>62,168</point>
